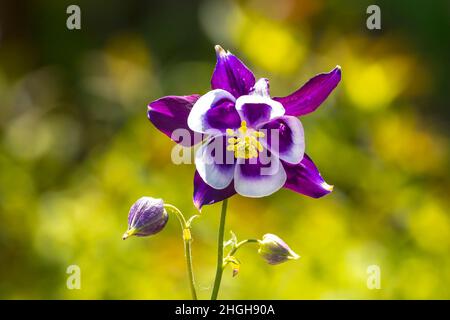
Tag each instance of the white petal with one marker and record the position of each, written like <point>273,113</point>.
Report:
<point>290,146</point>
<point>276,108</point>
<point>216,170</point>
<point>268,180</point>
<point>261,88</point>
<point>196,119</point>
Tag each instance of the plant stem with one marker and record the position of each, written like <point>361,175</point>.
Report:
<point>219,269</point>
<point>187,238</point>
<point>188,254</point>
<point>240,244</point>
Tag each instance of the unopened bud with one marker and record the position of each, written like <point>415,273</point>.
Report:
<point>274,250</point>
<point>147,217</point>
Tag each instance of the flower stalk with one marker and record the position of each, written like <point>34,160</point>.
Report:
<point>237,246</point>
<point>219,269</point>
<point>187,238</point>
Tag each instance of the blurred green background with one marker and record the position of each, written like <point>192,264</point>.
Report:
<point>76,148</point>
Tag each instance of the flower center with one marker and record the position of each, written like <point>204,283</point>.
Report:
<point>244,142</point>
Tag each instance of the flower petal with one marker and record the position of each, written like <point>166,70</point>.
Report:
<point>256,109</point>
<point>285,138</point>
<point>259,177</point>
<point>215,163</point>
<point>309,97</point>
<point>261,88</point>
<point>214,111</point>
<point>231,74</point>
<point>205,194</point>
<point>169,115</point>
<point>305,178</point>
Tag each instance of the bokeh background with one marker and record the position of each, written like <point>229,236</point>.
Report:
<point>76,148</point>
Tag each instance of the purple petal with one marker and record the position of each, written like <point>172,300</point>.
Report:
<point>259,177</point>
<point>309,97</point>
<point>256,109</point>
<point>305,178</point>
<point>213,113</point>
<point>215,163</point>
<point>231,74</point>
<point>204,194</point>
<point>284,137</point>
<point>169,115</point>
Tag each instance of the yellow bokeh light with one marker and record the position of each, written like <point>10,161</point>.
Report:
<point>257,36</point>
<point>374,85</point>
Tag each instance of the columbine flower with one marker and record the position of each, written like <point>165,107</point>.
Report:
<point>274,250</point>
<point>240,153</point>
<point>147,217</point>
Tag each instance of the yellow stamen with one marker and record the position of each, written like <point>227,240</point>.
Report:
<point>230,132</point>
<point>243,128</point>
<point>259,134</point>
<point>244,142</point>
<point>259,146</point>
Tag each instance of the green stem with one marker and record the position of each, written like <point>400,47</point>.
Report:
<point>188,254</point>
<point>187,238</point>
<point>240,244</point>
<point>219,269</point>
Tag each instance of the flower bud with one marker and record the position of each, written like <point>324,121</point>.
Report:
<point>147,216</point>
<point>274,250</point>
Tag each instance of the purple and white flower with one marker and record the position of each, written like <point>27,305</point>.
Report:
<point>253,144</point>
